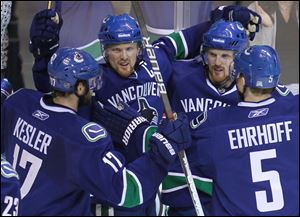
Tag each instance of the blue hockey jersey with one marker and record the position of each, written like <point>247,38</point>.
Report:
<point>251,152</point>
<point>10,190</point>
<point>61,158</point>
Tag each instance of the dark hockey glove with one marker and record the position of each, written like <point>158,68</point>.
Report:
<point>44,33</point>
<point>170,138</point>
<point>6,89</point>
<point>248,18</point>
<point>121,122</point>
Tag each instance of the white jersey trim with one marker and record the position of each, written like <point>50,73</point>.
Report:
<point>124,188</point>
<point>55,108</point>
<point>159,31</point>
<point>257,104</point>
<point>186,49</point>
<point>174,44</point>
<point>233,89</point>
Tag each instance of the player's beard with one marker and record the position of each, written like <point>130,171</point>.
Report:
<point>125,72</point>
<point>85,100</point>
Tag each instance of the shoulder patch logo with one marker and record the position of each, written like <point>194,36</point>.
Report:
<point>7,171</point>
<point>40,115</point>
<point>258,113</point>
<point>93,132</point>
<point>198,120</point>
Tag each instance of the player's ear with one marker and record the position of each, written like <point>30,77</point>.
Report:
<point>240,81</point>
<point>81,88</point>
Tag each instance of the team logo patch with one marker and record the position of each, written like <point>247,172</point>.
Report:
<point>198,120</point>
<point>78,58</point>
<point>93,132</point>
<point>7,171</point>
<point>40,115</point>
<point>258,113</point>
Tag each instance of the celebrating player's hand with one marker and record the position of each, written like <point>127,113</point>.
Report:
<point>120,122</point>
<point>172,136</point>
<point>248,18</point>
<point>44,33</point>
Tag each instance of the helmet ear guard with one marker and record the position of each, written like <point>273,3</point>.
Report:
<point>203,54</point>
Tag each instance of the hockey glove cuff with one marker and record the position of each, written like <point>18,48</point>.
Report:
<point>171,137</point>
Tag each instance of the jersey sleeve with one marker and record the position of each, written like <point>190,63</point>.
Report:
<point>184,44</point>
<point>102,171</point>
<point>40,75</point>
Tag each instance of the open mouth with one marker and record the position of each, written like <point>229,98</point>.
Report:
<point>218,70</point>
<point>123,64</point>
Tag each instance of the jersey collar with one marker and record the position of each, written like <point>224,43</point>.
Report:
<point>55,108</point>
<point>233,89</point>
<point>257,104</point>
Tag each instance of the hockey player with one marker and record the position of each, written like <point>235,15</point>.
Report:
<point>207,84</point>
<point>251,151</point>
<point>128,74</point>
<point>61,158</point>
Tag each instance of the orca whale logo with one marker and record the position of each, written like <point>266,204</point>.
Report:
<point>147,111</point>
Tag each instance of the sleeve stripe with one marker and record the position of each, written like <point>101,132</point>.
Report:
<point>133,192</point>
<point>179,43</point>
<point>146,137</point>
<point>176,181</point>
<point>186,50</point>
<point>174,44</point>
<point>140,189</point>
<point>124,188</point>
